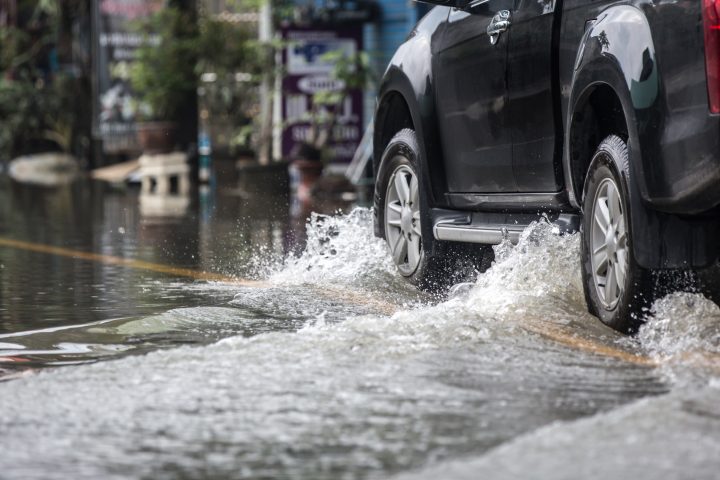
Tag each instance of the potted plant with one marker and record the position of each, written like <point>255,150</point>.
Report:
<point>232,61</point>
<point>42,123</point>
<point>164,76</point>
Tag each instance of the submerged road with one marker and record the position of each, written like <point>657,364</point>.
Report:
<point>566,338</point>
<point>303,355</point>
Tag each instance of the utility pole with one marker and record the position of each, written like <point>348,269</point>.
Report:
<point>188,116</point>
<point>265,34</point>
<point>8,13</point>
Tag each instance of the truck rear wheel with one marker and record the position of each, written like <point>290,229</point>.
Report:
<point>617,288</point>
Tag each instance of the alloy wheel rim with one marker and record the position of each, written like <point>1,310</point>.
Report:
<point>402,220</point>
<point>609,248</point>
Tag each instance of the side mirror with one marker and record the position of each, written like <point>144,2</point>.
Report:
<point>467,5</point>
<point>461,4</point>
<point>476,6</point>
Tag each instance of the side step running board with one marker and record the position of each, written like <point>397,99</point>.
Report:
<point>489,234</point>
<point>492,228</point>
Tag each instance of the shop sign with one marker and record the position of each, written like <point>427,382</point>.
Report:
<point>116,43</point>
<point>308,71</point>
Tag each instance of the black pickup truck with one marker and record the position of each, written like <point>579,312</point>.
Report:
<point>602,115</point>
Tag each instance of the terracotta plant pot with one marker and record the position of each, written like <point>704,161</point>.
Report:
<point>157,137</point>
<point>308,172</point>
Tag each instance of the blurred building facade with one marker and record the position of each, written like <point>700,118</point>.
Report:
<point>383,25</point>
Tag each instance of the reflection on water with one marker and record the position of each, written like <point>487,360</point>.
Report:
<point>218,232</point>
<point>39,291</point>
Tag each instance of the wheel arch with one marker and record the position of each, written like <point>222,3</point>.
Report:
<point>601,106</point>
<point>616,60</point>
<point>408,101</point>
<point>392,115</point>
<point>660,240</point>
<point>598,112</point>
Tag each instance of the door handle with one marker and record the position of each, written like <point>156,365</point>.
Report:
<point>499,23</point>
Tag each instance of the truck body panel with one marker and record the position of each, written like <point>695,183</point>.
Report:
<point>517,142</point>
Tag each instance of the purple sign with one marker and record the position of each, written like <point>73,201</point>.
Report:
<point>308,71</point>
<point>115,46</point>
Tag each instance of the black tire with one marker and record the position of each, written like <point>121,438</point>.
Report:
<point>609,167</point>
<point>441,264</point>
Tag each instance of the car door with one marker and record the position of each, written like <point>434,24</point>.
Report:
<point>530,85</point>
<point>472,99</point>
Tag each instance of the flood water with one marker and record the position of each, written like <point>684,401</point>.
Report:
<point>311,359</point>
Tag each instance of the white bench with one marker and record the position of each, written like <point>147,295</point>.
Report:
<point>157,171</point>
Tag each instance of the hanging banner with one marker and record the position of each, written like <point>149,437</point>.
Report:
<point>308,71</point>
<point>115,46</point>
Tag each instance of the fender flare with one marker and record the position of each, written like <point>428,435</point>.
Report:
<point>420,102</point>
<point>618,51</point>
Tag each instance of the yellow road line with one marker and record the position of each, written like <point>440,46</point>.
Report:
<point>557,335</point>
<point>331,292</point>
<point>123,262</point>
<point>550,332</point>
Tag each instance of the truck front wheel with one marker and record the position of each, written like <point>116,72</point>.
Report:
<point>422,260</point>
<point>617,289</point>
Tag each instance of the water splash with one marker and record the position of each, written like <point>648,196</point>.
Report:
<point>342,251</point>
<point>680,324</point>
<point>538,276</point>
<point>538,280</point>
